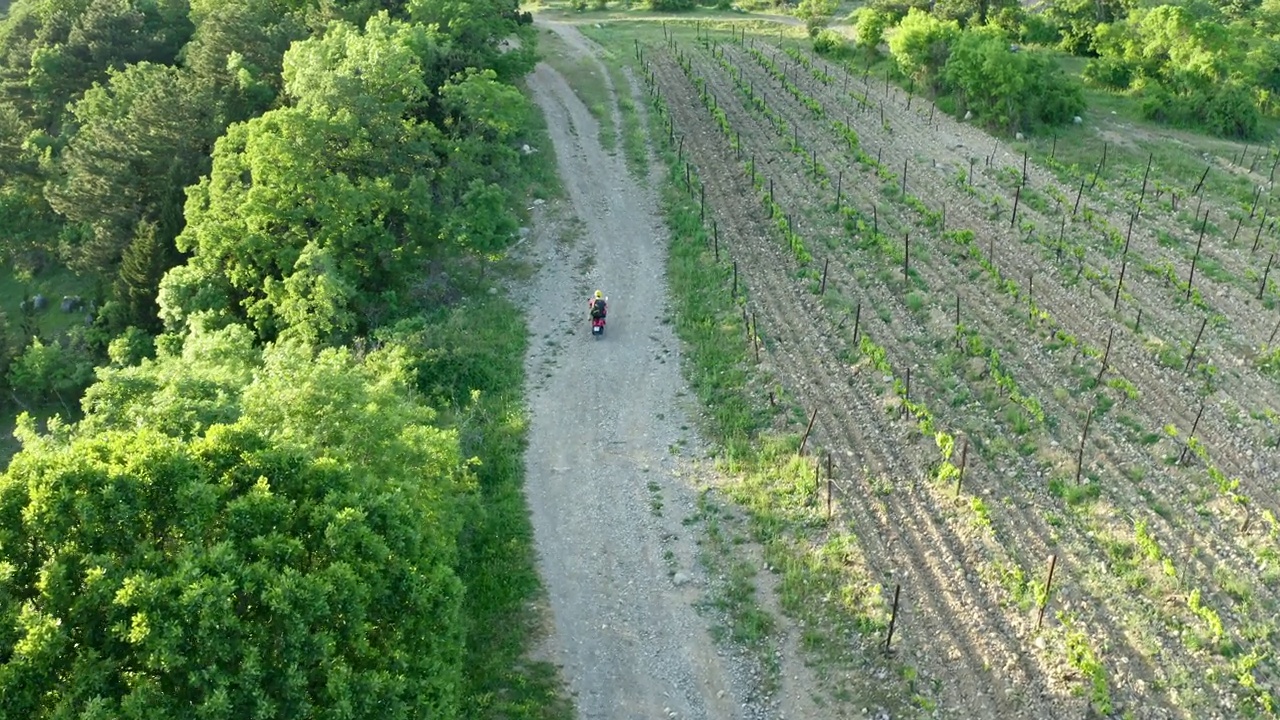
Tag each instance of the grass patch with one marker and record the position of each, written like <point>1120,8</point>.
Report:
<point>823,584</point>
<point>471,367</point>
<point>53,283</point>
<point>635,146</point>
<point>588,80</point>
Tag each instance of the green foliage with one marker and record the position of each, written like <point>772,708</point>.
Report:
<point>830,43</point>
<point>475,29</point>
<point>1188,68</point>
<point>47,371</point>
<point>63,47</point>
<point>816,14</point>
<point>238,50</point>
<point>870,26</point>
<point>921,44</point>
<point>297,239</point>
<point>1006,89</point>
<point>274,562</point>
<point>131,348</point>
<point>972,13</point>
<point>670,5</point>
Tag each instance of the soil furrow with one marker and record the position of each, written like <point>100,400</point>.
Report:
<point>722,95</point>
<point>1126,355</point>
<point>823,425</point>
<point>788,327</point>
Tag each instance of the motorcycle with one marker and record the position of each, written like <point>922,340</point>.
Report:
<point>597,324</point>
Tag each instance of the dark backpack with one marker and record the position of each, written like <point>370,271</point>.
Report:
<point>597,309</point>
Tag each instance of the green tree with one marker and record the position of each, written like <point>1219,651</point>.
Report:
<point>316,215</point>
<point>50,371</point>
<point>57,49</point>
<point>296,563</point>
<point>477,30</point>
<point>140,140</point>
<point>870,26</point>
<point>1009,90</point>
<point>920,45</point>
<point>238,48</point>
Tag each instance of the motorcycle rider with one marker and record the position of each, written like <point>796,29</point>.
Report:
<point>598,306</point>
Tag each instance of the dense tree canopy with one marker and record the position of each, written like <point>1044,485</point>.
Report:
<point>248,519</point>
<point>286,553</point>
<point>316,216</point>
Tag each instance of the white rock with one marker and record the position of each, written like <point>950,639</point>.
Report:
<point>1019,136</point>
<point>968,115</point>
<point>1077,120</point>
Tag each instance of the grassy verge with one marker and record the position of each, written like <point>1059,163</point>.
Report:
<point>822,586</point>
<point>588,83</point>
<point>473,367</point>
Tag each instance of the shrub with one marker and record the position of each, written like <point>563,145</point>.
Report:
<point>829,42</point>
<point>921,44</point>
<point>1230,112</point>
<point>868,29</point>
<point>670,5</point>
<point>44,372</point>
<point>1108,72</point>
<point>1009,90</point>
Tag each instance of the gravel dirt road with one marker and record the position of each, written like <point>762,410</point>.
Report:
<point>610,440</point>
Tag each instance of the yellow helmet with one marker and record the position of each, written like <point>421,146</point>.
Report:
<point>599,294</point>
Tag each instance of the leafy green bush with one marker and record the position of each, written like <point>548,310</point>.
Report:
<point>869,27</point>
<point>829,42</point>
<point>920,45</point>
<point>670,5</point>
<point>1230,112</point>
<point>816,14</point>
<point>299,558</point>
<point>49,371</point>
<point>1006,89</point>
<point>1108,72</point>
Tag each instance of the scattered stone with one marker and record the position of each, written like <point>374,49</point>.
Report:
<point>527,150</point>
<point>39,302</point>
<point>680,579</point>
<point>1077,120</point>
<point>968,114</point>
<point>1019,136</point>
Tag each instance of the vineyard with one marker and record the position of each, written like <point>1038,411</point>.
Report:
<point>1037,399</point>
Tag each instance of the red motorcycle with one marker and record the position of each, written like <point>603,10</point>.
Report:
<point>597,321</point>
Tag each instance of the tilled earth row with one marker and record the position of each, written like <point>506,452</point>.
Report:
<point>1244,326</point>
<point>793,184</point>
<point>1078,307</point>
<point>1042,371</point>
<point>1176,536</point>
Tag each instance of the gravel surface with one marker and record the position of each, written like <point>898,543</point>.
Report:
<point>610,440</point>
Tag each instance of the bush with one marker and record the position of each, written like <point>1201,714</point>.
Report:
<point>829,42</point>
<point>868,29</point>
<point>670,5</point>
<point>815,13</point>
<point>1230,112</point>
<point>921,44</point>
<point>1108,72</point>
<point>48,371</point>
<point>1009,90</point>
